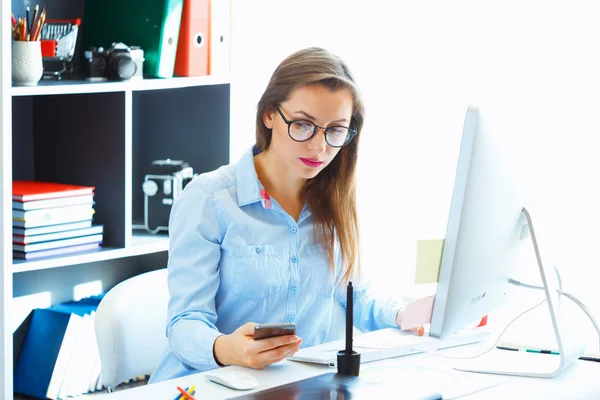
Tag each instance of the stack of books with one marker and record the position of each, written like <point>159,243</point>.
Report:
<point>52,219</point>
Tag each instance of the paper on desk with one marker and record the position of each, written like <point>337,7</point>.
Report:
<point>415,378</point>
<point>429,257</point>
<point>466,385</point>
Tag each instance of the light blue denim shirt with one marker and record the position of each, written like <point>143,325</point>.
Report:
<point>235,259</point>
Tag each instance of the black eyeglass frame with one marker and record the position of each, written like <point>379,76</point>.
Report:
<point>351,132</point>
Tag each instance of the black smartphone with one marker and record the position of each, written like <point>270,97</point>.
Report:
<point>263,331</point>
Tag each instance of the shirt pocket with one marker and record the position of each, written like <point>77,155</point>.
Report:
<point>257,271</point>
<point>321,278</point>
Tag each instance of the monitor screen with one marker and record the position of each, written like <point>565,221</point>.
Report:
<point>485,223</point>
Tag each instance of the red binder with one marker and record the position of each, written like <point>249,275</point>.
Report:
<point>192,46</point>
<point>36,190</point>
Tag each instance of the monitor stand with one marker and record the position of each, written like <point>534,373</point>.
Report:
<point>521,363</point>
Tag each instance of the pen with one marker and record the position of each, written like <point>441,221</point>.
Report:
<point>542,351</point>
<point>506,348</point>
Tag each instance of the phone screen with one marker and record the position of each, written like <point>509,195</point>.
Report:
<point>263,331</point>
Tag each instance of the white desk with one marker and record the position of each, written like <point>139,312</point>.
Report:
<point>580,381</point>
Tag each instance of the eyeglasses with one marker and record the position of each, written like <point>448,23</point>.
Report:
<point>303,130</point>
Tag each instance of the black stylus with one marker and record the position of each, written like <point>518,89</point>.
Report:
<point>348,361</point>
<point>349,317</point>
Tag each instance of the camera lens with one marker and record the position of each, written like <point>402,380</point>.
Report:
<point>121,66</point>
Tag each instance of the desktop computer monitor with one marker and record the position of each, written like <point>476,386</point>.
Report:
<point>492,214</point>
<point>483,228</point>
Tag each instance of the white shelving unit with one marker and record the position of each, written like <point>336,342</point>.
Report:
<point>141,244</point>
<point>81,87</point>
<point>104,135</point>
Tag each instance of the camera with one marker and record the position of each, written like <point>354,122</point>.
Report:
<point>164,183</point>
<point>117,63</point>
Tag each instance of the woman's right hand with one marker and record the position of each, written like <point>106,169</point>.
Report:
<point>240,348</point>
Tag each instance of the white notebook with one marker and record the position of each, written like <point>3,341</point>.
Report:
<point>386,343</point>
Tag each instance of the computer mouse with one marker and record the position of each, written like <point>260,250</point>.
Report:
<point>233,379</point>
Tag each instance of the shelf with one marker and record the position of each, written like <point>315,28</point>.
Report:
<point>141,244</point>
<point>52,87</point>
<point>47,87</point>
<point>174,83</point>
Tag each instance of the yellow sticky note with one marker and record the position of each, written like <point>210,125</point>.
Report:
<point>429,257</point>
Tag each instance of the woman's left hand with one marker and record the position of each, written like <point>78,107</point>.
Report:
<point>415,314</point>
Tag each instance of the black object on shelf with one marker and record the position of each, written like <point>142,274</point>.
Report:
<point>162,185</point>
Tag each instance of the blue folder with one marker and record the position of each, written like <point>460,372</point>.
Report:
<point>42,343</point>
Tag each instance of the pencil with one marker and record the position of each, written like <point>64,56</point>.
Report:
<point>186,394</point>
<point>40,25</point>
<point>190,389</point>
<point>33,17</point>
<point>35,28</point>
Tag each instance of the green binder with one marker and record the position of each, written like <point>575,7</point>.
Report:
<point>151,24</point>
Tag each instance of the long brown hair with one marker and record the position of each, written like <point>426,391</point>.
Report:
<point>331,195</point>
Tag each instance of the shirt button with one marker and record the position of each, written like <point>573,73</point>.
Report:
<point>294,259</point>
<point>294,229</point>
<point>258,250</point>
<point>295,289</point>
<point>291,318</point>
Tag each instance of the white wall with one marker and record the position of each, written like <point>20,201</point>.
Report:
<point>419,64</point>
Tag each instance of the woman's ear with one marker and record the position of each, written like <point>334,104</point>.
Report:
<point>269,117</point>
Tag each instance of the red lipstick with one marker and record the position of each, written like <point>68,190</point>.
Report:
<point>311,162</point>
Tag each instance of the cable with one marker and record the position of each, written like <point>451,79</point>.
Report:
<point>525,285</point>
<point>558,277</point>
<point>499,336</point>
<point>570,297</point>
<point>585,310</point>
<point>535,287</point>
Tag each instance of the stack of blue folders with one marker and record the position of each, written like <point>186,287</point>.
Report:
<point>60,356</point>
<point>52,219</point>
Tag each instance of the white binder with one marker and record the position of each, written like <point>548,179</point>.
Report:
<point>220,37</point>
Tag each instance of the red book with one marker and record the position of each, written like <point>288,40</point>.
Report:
<point>35,190</point>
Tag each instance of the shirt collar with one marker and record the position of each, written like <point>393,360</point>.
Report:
<point>246,179</point>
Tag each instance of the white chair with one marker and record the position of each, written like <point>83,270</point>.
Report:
<point>130,327</point>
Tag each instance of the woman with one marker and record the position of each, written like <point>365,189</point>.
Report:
<point>274,237</point>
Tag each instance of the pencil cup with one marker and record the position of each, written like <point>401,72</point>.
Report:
<point>27,66</point>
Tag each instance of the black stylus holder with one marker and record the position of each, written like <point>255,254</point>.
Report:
<point>348,364</point>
